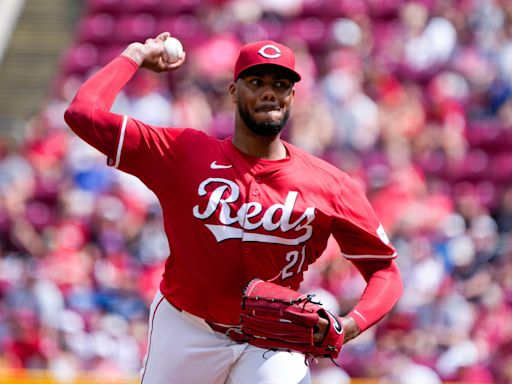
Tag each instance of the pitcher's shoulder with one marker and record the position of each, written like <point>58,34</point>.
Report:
<point>312,164</point>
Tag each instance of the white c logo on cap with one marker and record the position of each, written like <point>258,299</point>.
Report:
<point>270,55</point>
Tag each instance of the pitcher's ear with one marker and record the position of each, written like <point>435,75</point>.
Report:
<point>233,92</point>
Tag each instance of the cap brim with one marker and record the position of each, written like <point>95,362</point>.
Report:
<point>294,76</point>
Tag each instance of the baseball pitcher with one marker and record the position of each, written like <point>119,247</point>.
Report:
<point>244,217</point>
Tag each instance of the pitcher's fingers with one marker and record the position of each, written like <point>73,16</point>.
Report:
<point>163,36</point>
<point>171,66</point>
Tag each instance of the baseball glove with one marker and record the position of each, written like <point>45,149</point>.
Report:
<point>278,318</point>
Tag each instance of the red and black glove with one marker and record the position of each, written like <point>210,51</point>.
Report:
<point>278,318</point>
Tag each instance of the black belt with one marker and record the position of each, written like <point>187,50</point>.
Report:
<point>214,326</point>
<point>224,329</point>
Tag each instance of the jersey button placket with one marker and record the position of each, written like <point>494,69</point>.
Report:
<point>254,186</point>
<point>252,194</point>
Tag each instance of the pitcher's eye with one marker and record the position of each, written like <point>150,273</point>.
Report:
<point>282,84</point>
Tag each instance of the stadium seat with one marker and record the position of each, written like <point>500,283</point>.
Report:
<point>384,8</point>
<point>501,167</point>
<point>487,135</point>
<point>145,6</point>
<point>105,6</point>
<point>261,30</point>
<point>475,165</point>
<point>80,58</point>
<point>130,28</point>
<point>312,30</point>
<point>185,27</point>
<point>176,7</point>
<point>331,9</point>
<point>433,163</point>
<point>96,28</point>
<point>488,193</point>
<point>106,54</point>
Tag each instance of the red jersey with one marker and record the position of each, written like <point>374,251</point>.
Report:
<point>229,217</point>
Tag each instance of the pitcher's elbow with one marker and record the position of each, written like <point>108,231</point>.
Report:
<point>77,115</point>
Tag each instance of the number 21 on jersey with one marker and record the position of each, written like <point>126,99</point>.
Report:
<point>293,258</point>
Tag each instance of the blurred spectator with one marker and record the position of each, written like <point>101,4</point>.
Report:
<point>429,41</point>
<point>148,101</point>
<point>355,114</point>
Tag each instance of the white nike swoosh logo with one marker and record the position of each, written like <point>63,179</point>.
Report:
<point>214,165</point>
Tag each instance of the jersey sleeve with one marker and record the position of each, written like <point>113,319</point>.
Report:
<point>363,241</point>
<point>140,149</point>
<point>356,227</point>
<point>147,152</point>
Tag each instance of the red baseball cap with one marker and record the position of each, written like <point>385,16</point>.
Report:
<point>265,52</point>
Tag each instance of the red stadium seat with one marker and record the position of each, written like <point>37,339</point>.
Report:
<point>145,6</point>
<point>488,193</point>
<point>501,167</point>
<point>105,6</point>
<point>507,138</point>
<point>485,192</point>
<point>97,28</point>
<point>185,27</point>
<point>261,30</point>
<point>176,7</point>
<point>331,9</point>
<point>130,28</point>
<point>488,135</point>
<point>433,163</point>
<point>384,8</point>
<point>79,59</point>
<point>106,54</point>
<point>312,30</point>
<point>473,167</point>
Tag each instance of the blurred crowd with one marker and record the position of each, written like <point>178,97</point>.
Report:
<point>411,98</point>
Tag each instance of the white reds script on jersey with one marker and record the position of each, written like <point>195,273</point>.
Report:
<point>230,217</point>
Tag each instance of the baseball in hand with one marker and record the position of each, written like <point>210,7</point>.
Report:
<point>173,49</point>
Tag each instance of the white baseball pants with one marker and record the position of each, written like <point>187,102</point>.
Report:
<point>183,349</point>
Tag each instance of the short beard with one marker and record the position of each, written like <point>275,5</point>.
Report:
<point>266,128</point>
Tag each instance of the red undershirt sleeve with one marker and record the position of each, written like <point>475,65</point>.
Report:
<point>89,113</point>
<point>363,241</point>
<point>384,288</point>
<point>143,150</point>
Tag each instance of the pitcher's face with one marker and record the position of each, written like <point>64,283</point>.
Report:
<point>263,95</point>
